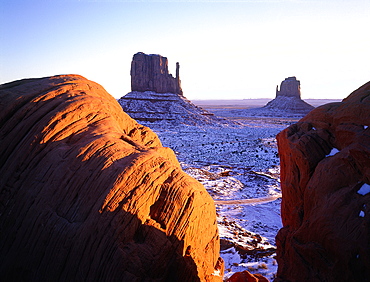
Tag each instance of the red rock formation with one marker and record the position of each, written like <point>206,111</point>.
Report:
<point>150,73</point>
<point>290,87</point>
<point>289,98</point>
<point>89,194</point>
<point>325,173</point>
<point>246,276</point>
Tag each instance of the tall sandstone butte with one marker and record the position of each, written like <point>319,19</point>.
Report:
<point>89,194</point>
<point>325,178</point>
<point>288,98</point>
<point>150,73</point>
<point>289,87</point>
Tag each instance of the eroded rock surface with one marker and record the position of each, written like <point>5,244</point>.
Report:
<point>325,180</point>
<point>89,194</point>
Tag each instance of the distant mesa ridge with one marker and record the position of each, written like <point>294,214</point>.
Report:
<point>288,98</point>
<point>157,96</point>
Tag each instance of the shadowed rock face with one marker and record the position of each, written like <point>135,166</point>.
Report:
<point>89,194</point>
<point>150,73</point>
<point>325,177</point>
<point>290,87</point>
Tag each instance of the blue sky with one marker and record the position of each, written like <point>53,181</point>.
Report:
<point>226,49</point>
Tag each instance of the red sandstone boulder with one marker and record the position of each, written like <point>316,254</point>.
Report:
<point>246,276</point>
<point>86,193</point>
<point>325,180</point>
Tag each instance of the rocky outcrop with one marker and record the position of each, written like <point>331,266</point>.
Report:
<point>288,98</point>
<point>150,73</point>
<point>246,276</point>
<point>290,87</point>
<point>325,181</point>
<point>156,96</point>
<point>89,194</point>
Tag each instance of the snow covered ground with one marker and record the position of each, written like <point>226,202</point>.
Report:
<point>236,164</point>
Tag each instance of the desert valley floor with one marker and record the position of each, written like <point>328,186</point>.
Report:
<point>239,166</point>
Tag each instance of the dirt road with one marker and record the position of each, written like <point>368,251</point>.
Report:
<point>252,201</point>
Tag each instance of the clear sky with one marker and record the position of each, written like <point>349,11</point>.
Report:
<point>226,49</point>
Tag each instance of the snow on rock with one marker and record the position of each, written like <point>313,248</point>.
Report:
<point>333,152</point>
<point>167,108</point>
<point>289,104</point>
<point>365,189</point>
<point>235,263</point>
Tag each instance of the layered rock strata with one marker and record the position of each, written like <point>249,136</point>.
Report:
<point>325,181</point>
<point>288,98</point>
<point>150,73</point>
<point>89,194</point>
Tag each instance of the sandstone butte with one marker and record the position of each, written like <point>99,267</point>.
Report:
<point>150,73</point>
<point>325,177</point>
<point>156,96</point>
<point>89,194</point>
<point>288,98</point>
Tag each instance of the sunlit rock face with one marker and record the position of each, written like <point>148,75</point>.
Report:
<point>325,181</point>
<point>89,194</point>
<point>288,98</point>
<point>150,73</point>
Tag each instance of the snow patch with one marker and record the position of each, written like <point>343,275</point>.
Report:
<point>364,189</point>
<point>217,273</point>
<point>362,214</point>
<point>333,152</point>
<point>365,126</point>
